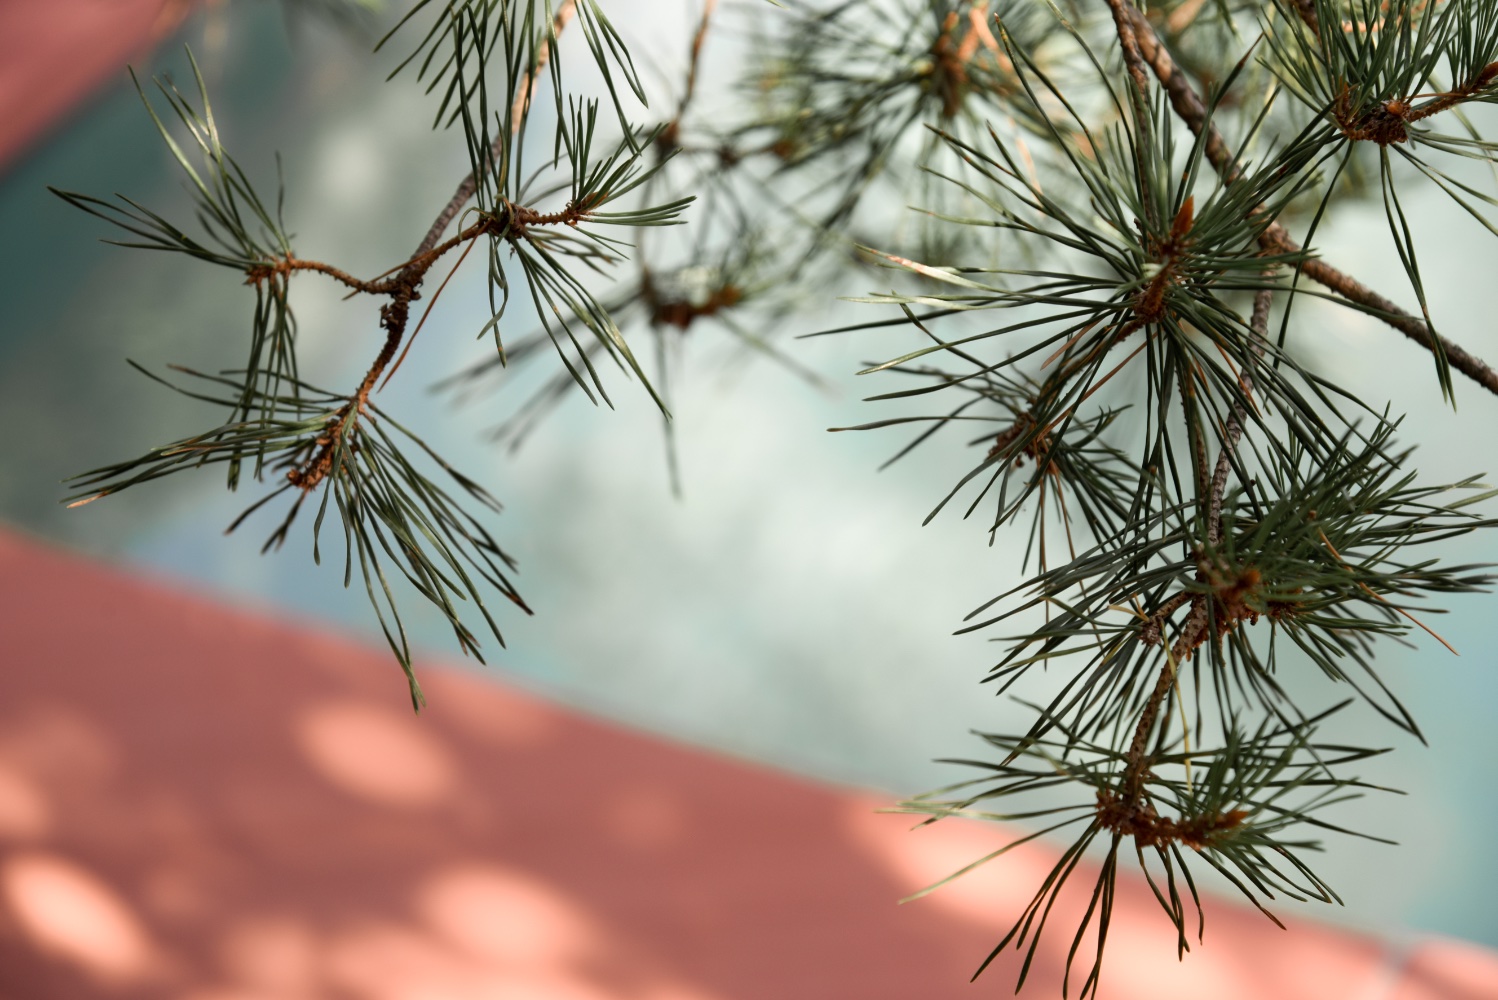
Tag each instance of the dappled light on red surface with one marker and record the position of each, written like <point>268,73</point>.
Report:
<point>200,804</point>
<point>23,808</point>
<point>378,754</point>
<point>69,912</point>
<point>1441,969</point>
<point>271,956</point>
<point>1229,960</point>
<point>505,916</point>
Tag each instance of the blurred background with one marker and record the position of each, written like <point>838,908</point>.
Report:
<point>789,608</point>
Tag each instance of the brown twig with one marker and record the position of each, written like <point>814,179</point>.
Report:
<point>543,56</point>
<point>1130,810</point>
<point>1149,829</point>
<point>1440,102</point>
<point>1186,385</point>
<point>682,312</point>
<point>1306,9</point>
<point>517,112</point>
<point>288,264</point>
<point>1133,57</point>
<point>1225,603</point>
<point>1153,628</point>
<point>1137,767</point>
<point>1275,238</point>
<point>402,284</point>
<point>697,40</point>
<point>671,132</point>
<point>403,288</point>
<point>1259,326</point>
<point>1166,254</point>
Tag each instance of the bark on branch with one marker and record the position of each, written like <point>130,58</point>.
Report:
<point>403,284</point>
<point>1276,239</point>
<point>522,104</point>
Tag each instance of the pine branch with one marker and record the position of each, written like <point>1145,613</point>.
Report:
<point>1091,255</point>
<point>337,444</point>
<point>670,134</point>
<point>1276,238</point>
<point>1133,57</point>
<point>470,183</point>
<point>1259,325</point>
<point>1197,619</point>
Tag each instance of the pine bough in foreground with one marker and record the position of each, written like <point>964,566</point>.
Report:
<point>1109,302</point>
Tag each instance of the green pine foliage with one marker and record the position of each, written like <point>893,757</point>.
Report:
<point>1113,229</point>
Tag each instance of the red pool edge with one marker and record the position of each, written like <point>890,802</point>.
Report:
<point>201,802</point>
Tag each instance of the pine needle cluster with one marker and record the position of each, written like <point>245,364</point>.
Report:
<point>1103,275</point>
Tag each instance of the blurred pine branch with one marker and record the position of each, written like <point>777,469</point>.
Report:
<point>1115,225</point>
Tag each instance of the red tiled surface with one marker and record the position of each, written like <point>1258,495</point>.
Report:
<point>1439,969</point>
<point>54,53</point>
<point>203,804</point>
